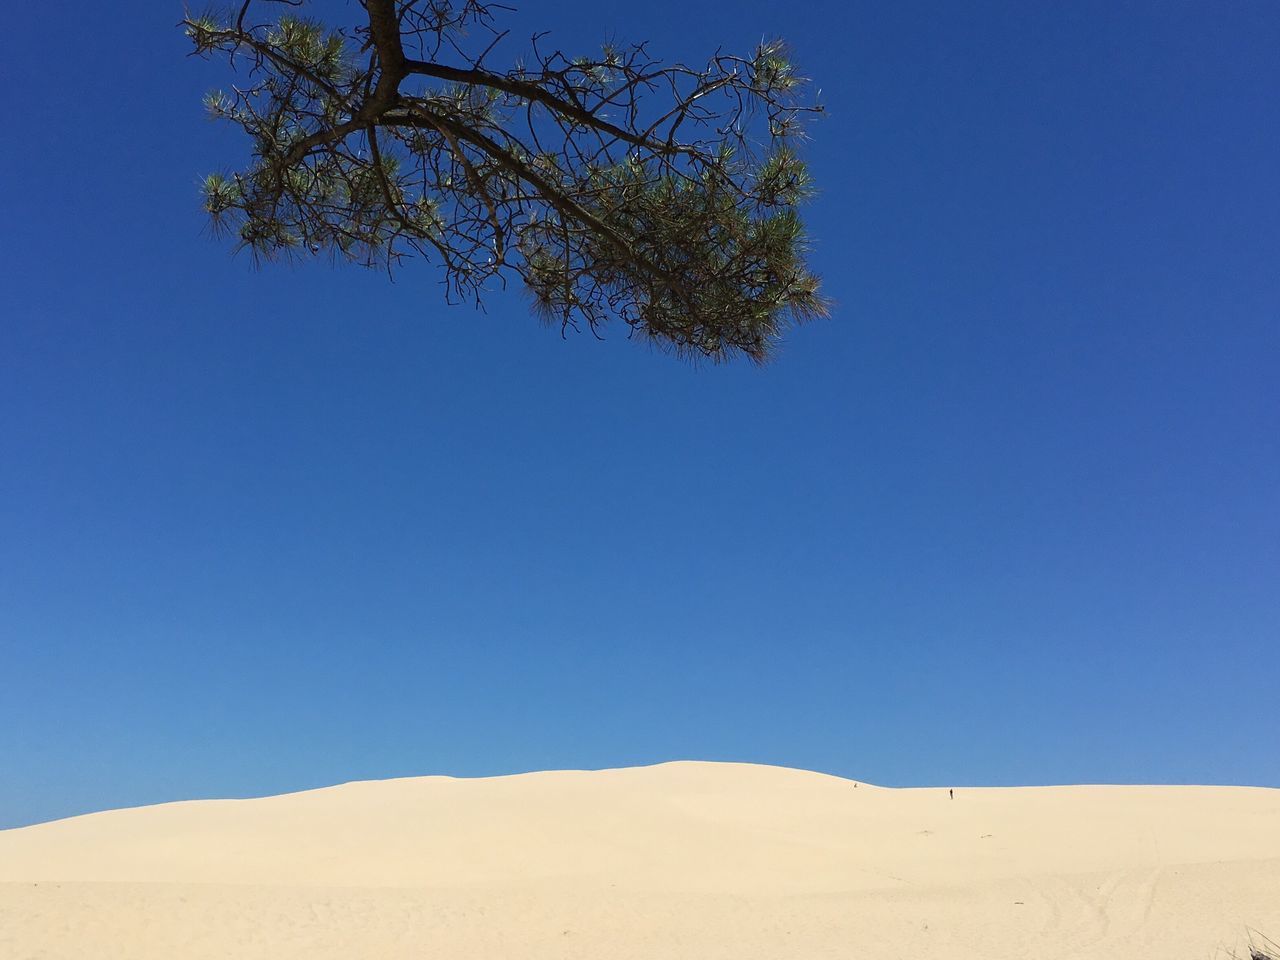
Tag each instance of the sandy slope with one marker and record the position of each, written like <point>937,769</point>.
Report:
<point>682,860</point>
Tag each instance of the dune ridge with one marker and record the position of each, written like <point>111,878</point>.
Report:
<point>686,859</point>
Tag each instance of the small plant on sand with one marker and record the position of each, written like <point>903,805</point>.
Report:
<point>1262,948</point>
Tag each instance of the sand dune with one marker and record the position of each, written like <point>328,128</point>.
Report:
<point>680,860</point>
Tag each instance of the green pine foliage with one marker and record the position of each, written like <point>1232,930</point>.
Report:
<point>615,187</point>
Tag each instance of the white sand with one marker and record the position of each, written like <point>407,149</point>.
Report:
<point>704,861</point>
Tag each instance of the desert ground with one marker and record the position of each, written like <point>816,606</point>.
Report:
<point>713,861</point>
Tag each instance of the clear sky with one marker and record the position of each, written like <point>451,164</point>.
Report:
<point>1011,516</point>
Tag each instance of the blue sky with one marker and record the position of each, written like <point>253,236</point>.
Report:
<point>1011,516</point>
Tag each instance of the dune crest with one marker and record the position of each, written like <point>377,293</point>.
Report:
<point>684,859</point>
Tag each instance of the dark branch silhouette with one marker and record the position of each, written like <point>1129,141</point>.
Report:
<point>613,186</point>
